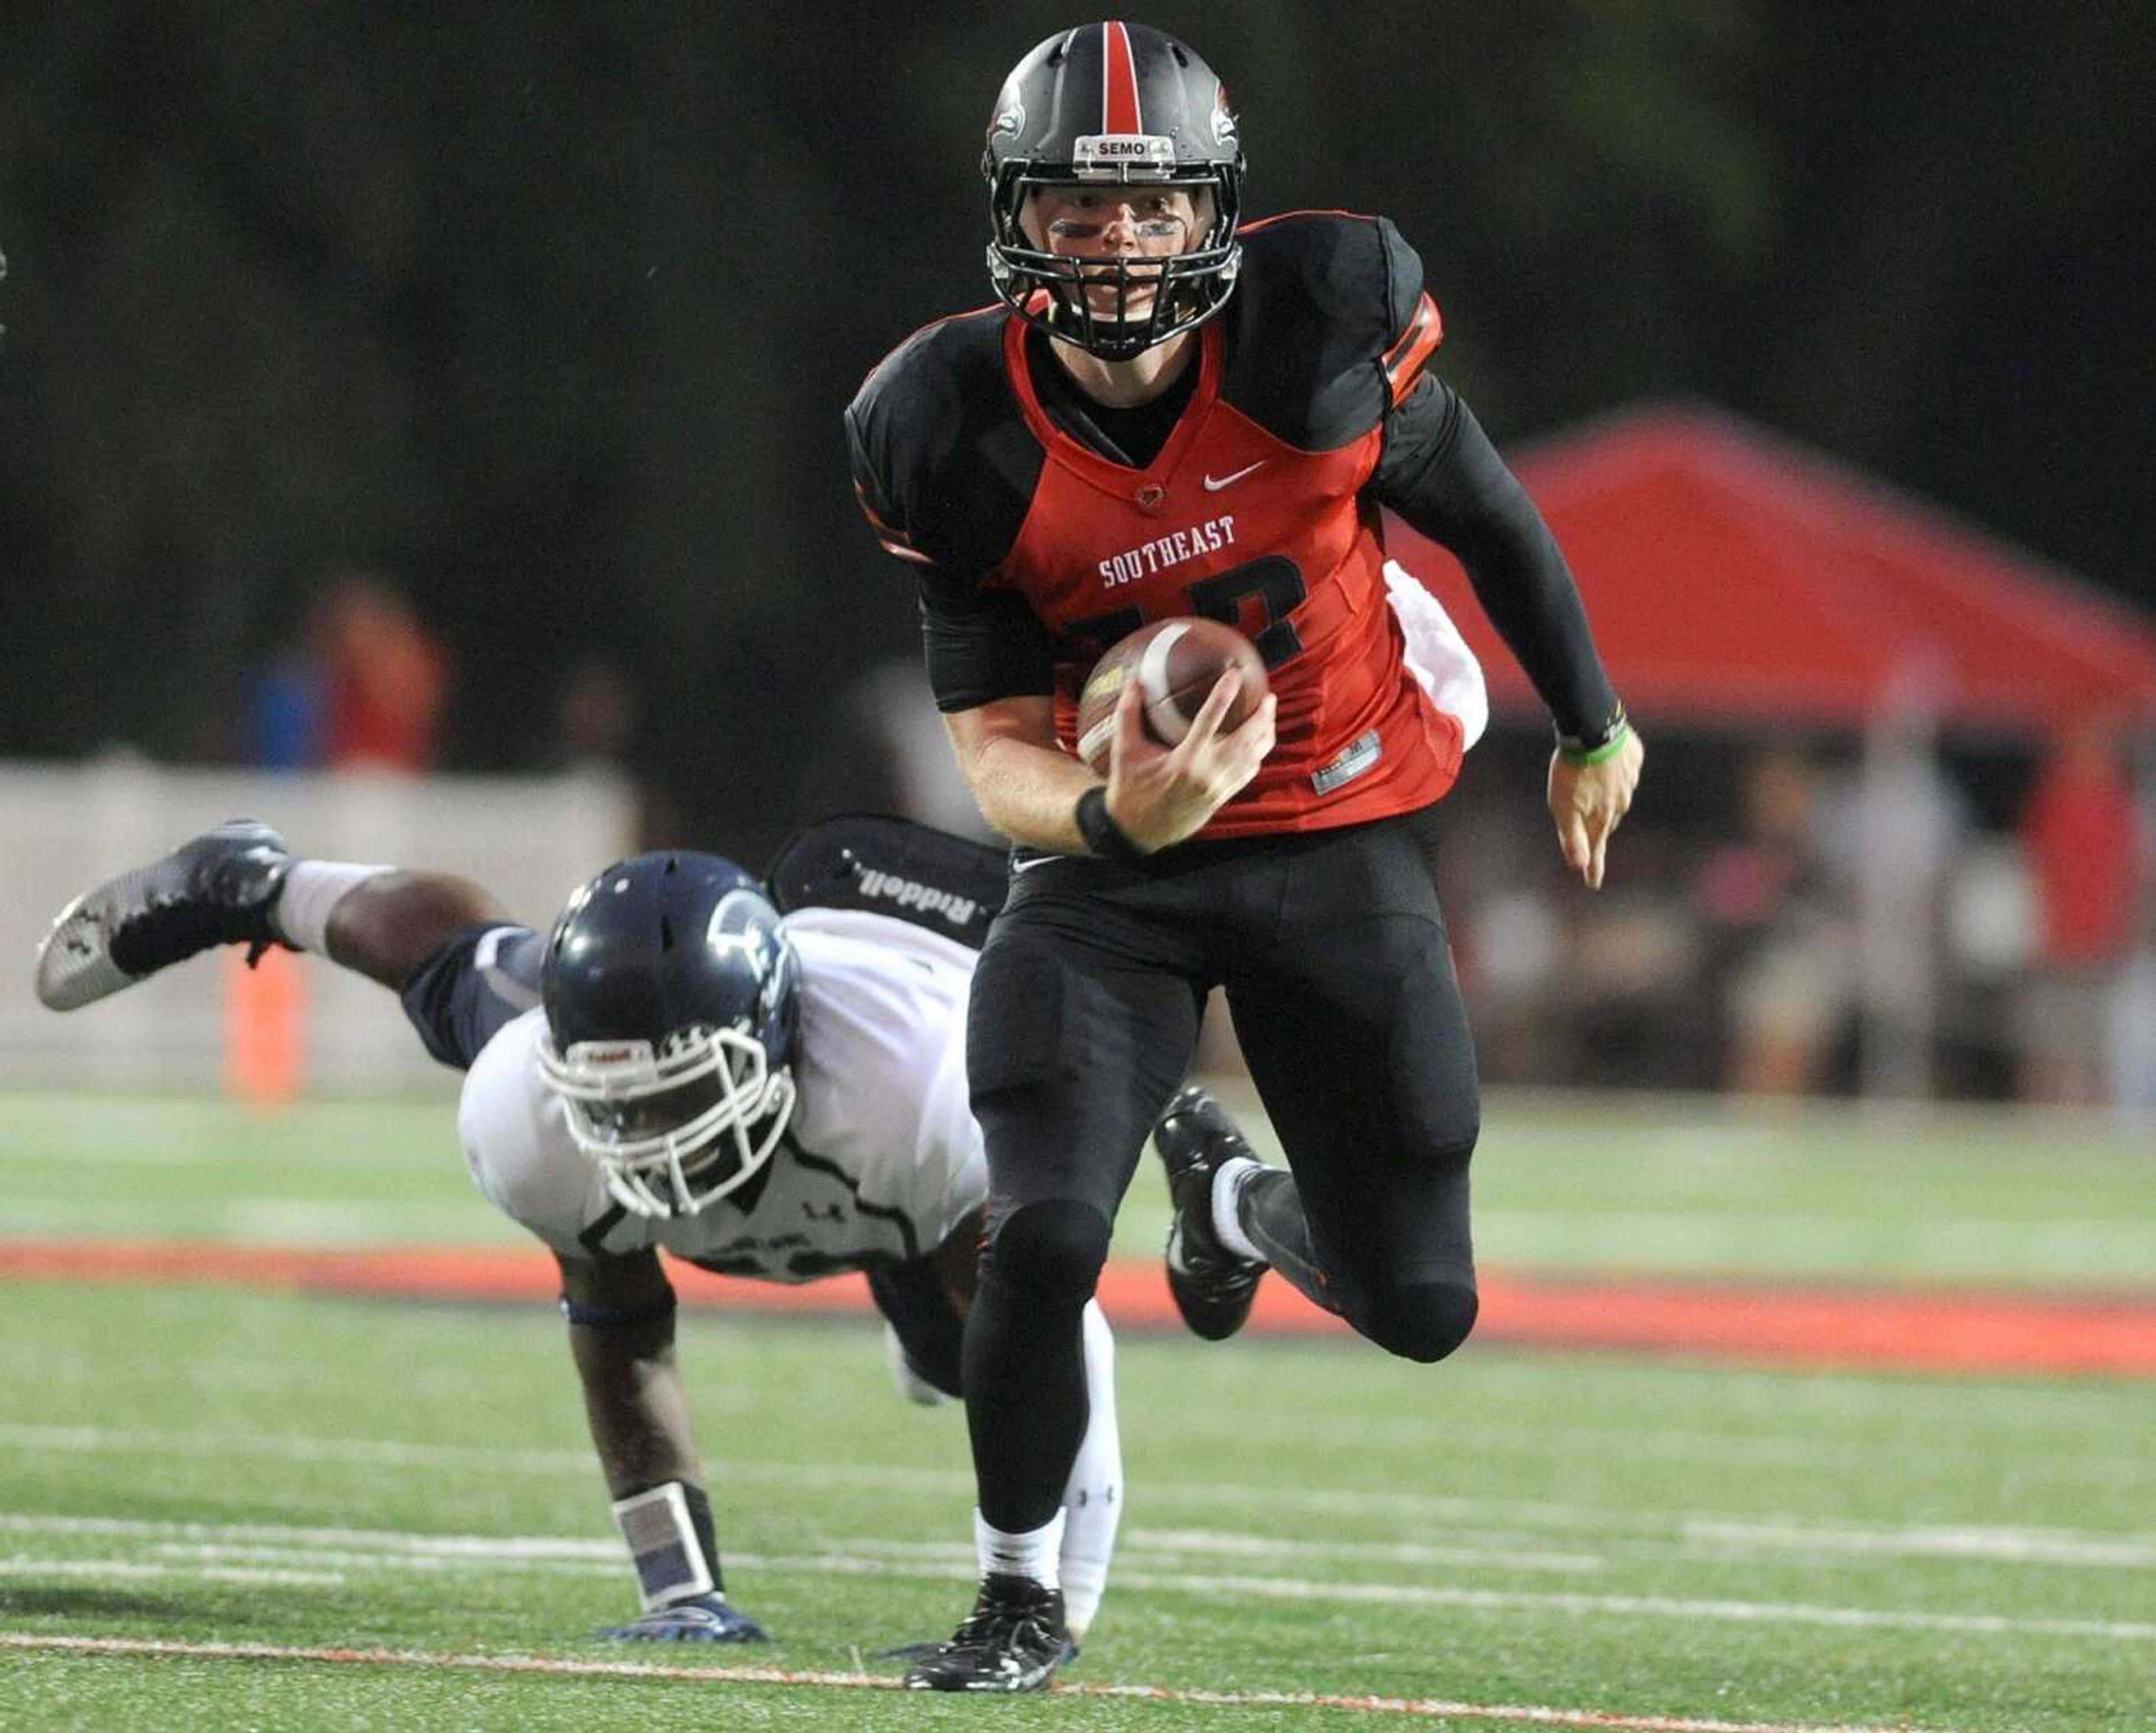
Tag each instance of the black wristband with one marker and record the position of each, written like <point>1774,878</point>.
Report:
<point>1103,836</point>
<point>620,1317</point>
<point>1604,738</point>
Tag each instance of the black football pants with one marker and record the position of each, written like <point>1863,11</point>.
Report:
<point>1086,1004</point>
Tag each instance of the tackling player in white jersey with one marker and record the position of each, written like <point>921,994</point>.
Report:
<point>680,1067</point>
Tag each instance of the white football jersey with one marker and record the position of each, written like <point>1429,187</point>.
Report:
<point>882,1159</point>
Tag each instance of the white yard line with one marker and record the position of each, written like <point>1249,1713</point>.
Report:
<point>1259,1547</point>
<point>490,1548</point>
<point>299,1555</point>
<point>1530,1714</point>
<point>2016,1546</point>
<point>1695,1530</point>
<point>22,1564</point>
<point>1649,1605</point>
<point>1795,1450</point>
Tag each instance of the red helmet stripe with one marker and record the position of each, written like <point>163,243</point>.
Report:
<point>1119,82</point>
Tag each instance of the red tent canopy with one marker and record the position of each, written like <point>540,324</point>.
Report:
<point>1731,576</point>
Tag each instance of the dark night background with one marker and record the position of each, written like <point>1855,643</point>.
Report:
<point>550,310</point>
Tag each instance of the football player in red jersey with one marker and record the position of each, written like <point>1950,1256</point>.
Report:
<point>1168,412</point>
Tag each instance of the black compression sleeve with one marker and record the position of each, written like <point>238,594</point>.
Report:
<point>1442,476</point>
<point>981,644</point>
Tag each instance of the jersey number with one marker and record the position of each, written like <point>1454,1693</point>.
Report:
<point>1274,580</point>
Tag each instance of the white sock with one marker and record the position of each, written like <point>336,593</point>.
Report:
<point>1229,1179</point>
<point>1093,1498</point>
<point>312,888</point>
<point>1032,1554</point>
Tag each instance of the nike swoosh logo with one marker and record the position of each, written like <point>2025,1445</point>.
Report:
<point>1037,861</point>
<point>1213,484</point>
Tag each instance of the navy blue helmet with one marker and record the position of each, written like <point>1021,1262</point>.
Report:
<point>672,1002</point>
<point>1121,105</point>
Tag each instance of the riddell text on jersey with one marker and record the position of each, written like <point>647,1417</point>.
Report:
<point>1172,549</point>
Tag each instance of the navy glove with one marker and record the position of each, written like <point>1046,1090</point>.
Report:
<point>705,1618</point>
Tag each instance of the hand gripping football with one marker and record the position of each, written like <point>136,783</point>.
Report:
<point>1176,663</point>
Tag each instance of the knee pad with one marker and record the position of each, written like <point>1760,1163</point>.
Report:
<point>1049,1254</point>
<point>1420,1321</point>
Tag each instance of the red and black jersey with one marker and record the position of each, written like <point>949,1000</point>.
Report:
<point>1036,551</point>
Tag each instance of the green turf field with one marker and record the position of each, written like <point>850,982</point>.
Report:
<point>1595,1535</point>
<point>1691,1188</point>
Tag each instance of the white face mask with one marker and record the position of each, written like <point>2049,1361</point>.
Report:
<point>674,1131</point>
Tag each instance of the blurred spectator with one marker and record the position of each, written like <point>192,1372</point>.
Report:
<point>1634,964</point>
<point>387,678</point>
<point>2080,837</point>
<point>1785,919</point>
<point>1899,831</point>
<point>287,710</point>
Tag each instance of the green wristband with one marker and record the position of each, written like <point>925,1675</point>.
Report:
<point>1584,756</point>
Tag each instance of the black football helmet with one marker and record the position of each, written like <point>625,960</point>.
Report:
<point>672,1002</point>
<point>1122,104</point>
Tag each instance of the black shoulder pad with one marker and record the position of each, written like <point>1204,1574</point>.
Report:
<point>943,463</point>
<point>892,866</point>
<point>1327,312</point>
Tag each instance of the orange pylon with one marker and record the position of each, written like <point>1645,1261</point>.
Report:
<point>265,1027</point>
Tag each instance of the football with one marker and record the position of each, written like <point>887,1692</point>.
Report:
<point>1176,663</point>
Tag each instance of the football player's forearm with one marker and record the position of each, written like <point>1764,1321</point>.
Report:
<point>1026,785</point>
<point>638,1410</point>
<point>1524,586</point>
<point>1446,479</point>
<point>620,1313</point>
<point>1030,794</point>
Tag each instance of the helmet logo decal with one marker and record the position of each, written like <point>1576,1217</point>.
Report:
<point>734,927</point>
<point>1119,82</point>
<point>1223,117</point>
<point>1009,119</point>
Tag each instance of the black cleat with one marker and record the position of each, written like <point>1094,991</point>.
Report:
<point>1014,1640</point>
<point>1213,1287</point>
<point>218,889</point>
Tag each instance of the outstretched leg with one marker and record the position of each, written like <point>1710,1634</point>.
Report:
<point>241,884</point>
<point>386,926</point>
